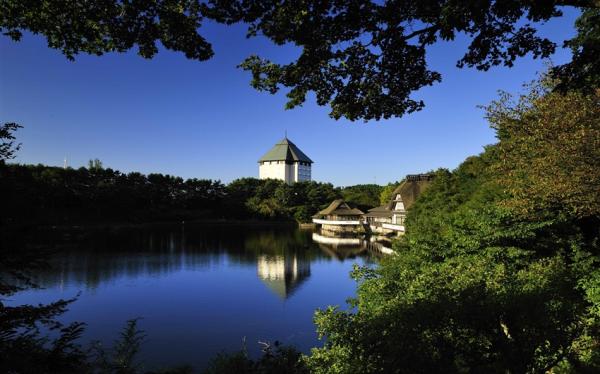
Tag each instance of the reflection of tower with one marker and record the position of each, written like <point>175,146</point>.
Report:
<point>282,274</point>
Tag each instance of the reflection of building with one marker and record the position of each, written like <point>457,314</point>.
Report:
<point>375,246</point>
<point>285,161</point>
<point>282,274</point>
<point>339,248</point>
<point>389,218</point>
<point>335,241</point>
<point>339,218</point>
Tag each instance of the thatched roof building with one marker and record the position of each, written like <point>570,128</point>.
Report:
<point>390,217</point>
<point>403,196</point>
<point>339,209</point>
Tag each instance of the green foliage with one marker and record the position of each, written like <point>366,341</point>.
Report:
<point>109,26</point>
<point>281,359</point>
<point>122,358</point>
<point>363,58</point>
<point>386,193</point>
<point>39,194</point>
<point>477,285</point>
<point>23,347</point>
<point>274,199</point>
<point>95,165</point>
<point>362,196</point>
<point>550,147</point>
<point>583,72</point>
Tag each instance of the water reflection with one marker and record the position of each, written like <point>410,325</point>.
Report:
<point>282,274</point>
<point>99,257</point>
<point>199,289</point>
<point>350,247</point>
<point>282,256</point>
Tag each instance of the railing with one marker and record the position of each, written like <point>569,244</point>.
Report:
<point>377,223</point>
<point>391,226</point>
<point>332,222</point>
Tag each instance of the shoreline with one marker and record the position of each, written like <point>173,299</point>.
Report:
<point>123,225</point>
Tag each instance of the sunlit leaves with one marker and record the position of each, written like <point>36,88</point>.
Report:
<point>498,270</point>
<point>550,152</point>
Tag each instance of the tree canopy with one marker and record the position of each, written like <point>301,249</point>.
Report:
<point>8,148</point>
<point>498,270</point>
<point>364,59</point>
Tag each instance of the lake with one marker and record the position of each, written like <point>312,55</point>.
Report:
<point>199,290</point>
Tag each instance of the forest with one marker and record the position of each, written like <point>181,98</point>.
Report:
<point>38,194</point>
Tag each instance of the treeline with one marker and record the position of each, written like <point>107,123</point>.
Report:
<point>39,194</point>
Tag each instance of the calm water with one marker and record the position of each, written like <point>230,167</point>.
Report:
<point>199,290</point>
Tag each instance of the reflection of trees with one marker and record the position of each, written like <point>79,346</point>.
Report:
<point>93,258</point>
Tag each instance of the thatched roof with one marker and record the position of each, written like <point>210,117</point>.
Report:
<point>380,211</point>
<point>285,150</point>
<point>407,192</point>
<point>410,189</point>
<point>339,208</point>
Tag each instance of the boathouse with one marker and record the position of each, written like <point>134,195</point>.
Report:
<point>389,218</point>
<point>339,218</point>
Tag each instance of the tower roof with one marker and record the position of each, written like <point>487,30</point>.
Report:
<point>285,150</point>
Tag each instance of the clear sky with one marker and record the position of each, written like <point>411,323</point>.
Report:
<point>202,119</point>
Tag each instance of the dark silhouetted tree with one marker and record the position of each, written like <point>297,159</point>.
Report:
<point>365,59</point>
<point>8,148</point>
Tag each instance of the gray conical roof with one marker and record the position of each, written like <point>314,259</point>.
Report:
<point>285,150</point>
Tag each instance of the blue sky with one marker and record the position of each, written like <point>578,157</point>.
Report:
<point>202,119</point>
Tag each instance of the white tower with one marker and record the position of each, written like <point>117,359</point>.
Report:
<point>285,161</point>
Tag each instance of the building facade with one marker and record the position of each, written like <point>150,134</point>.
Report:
<point>339,218</point>
<point>287,162</point>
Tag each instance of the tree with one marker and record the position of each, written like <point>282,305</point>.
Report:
<point>95,165</point>
<point>274,359</point>
<point>477,285</point>
<point>363,196</point>
<point>8,148</point>
<point>583,72</point>
<point>550,147</point>
<point>97,27</point>
<point>386,193</point>
<point>363,58</point>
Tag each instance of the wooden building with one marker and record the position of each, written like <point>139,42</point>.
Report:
<point>389,218</point>
<point>339,218</point>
